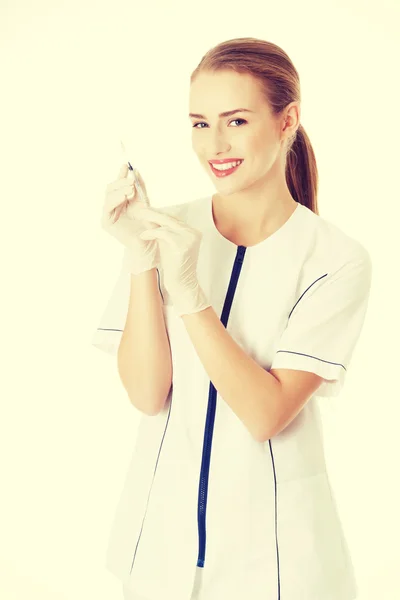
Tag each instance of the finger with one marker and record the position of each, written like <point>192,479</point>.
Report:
<point>119,184</point>
<point>123,172</point>
<point>112,204</point>
<point>116,198</point>
<point>152,215</point>
<point>118,211</point>
<point>162,234</point>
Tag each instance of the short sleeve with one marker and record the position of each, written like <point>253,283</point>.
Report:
<point>325,324</point>
<point>108,334</point>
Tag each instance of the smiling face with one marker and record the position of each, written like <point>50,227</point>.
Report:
<point>255,137</point>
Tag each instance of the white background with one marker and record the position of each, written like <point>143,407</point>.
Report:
<point>74,77</point>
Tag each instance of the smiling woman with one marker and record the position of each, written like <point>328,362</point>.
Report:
<point>263,301</point>
<point>254,194</point>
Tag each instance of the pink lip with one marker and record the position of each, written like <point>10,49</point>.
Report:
<point>224,173</point>
<point>223,160</point>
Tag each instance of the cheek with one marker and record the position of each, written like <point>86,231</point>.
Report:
<point>197,147</point>
<point>266,149</point>
<point>263,142</point>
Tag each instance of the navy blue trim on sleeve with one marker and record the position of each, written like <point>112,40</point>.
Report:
<point>316,358</point>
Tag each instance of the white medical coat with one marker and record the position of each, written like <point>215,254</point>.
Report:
<point>258,518</point>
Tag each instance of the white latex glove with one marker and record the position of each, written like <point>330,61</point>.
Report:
<point>179,250</point>
<point>120,219</point>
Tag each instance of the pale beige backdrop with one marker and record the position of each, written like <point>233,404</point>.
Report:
<point>74,75</point>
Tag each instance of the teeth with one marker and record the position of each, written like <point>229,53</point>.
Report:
<point>227,166</point>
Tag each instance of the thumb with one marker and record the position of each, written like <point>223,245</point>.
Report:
<point>123,172</point>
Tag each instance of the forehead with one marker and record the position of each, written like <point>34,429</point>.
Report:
<point>224,90</point>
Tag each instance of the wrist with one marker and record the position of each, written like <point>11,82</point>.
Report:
<point>190,303</point>
<point>147,261</point>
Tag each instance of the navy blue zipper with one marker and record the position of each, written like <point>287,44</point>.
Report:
<point>209,427</point>
<point>208,433</point>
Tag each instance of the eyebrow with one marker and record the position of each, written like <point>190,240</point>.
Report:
<point>227,113</point>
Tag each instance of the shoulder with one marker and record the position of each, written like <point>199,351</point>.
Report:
<point>323,253</point>
<point>331,244</point>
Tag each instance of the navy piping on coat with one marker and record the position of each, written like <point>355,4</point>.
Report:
<point>276,519</point>
<point>158,456</point>
<point>301,353</point>
<point>208,433</point>
<point>210,418</point>
<point>151,487</point>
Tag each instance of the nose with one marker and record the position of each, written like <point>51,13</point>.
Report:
<point>219,143</point>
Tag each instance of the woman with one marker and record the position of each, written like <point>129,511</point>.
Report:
<point>261,304</point>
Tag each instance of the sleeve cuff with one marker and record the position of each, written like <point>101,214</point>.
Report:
<point>333,373</point>
<point>107,340</point>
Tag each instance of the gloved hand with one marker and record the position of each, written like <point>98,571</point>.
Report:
<point>121,219</point>
<point>179,251</point>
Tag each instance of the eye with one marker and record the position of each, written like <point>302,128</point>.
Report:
<point>202,123</point>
